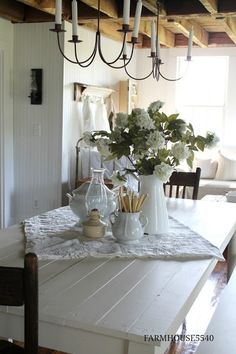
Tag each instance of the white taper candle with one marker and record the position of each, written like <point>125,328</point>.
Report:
<point>126,12</point>
<point>190,43</point>
<point>58,12</point>
<point>137,18</point>
<point>74,9</point>
<point>153,37</point>
<point>125,49</point>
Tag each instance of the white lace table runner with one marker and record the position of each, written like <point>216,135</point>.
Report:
<point>54,235</point>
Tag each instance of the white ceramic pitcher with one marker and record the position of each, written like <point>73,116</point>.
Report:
<point>128,227</point>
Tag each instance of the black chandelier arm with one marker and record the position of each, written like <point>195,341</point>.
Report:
<point>172,79</point>
<point>59,46</point>
<point>142,78</point>
<point>98,35</point>
<point>124,59</point>
<point>166,78</point>
<point>89,60</point>
<point>117,58</point>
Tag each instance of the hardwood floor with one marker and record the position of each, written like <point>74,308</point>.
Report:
<point>196,321</point>
<point>202,310</point>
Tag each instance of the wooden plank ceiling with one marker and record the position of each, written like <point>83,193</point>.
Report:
<point>213,21</point>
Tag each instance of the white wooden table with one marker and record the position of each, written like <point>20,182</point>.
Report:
<point>107,306</point>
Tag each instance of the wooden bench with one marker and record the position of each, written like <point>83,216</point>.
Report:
<point>221,332</point>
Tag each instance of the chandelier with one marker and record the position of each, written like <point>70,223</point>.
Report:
<point>123,59</point>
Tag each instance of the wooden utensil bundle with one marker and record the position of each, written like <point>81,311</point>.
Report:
<point>131,203</point>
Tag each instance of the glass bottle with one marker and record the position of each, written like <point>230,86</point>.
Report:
<point>96,196</point>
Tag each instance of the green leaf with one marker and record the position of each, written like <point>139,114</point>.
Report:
<point>190,159</point>
<point>190,127</point>
<point>172,117</point>
<point>190,162</point>
<point>200,144</point>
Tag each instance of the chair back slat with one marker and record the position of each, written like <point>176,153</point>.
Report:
<point>11,286</point>
<point>184,191</point>
<point>170,191</point>
<point>182,180</point>
<point>19,286</point>
<point>177,191</point>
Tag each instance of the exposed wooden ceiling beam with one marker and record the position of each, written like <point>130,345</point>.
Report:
<point>33,15</point>
<point>108,29</point>
<point>47,6</point>
<point>228,6</point>
<point>108,7</point>
<point>219,39</point>
<point>185,7</point>
<point>213,15</point>
<point>10,10</point>
<point>166,37</point>
<point>210,5</point>
<point>216,39</point>
<point>152,6</point>
<point>200,36</point>
<point>230,28</point>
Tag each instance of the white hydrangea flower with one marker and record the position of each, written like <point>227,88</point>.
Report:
<point>180,151</point>
<point>87,136</point>
<point>212,140</point>
<point>155,106</point>
<point>103,147</point>
<point>163,171</point>
<point>121,120</point>
<point>142,119</point>
<point>156,140</point>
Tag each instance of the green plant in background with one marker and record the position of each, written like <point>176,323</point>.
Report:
<point>153,142</point>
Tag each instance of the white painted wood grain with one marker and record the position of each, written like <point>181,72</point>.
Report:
<point>81,289</point>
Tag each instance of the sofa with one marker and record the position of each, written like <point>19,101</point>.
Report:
<point>218,171</point>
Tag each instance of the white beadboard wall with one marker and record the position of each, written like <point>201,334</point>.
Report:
<point>151,90</point>
<point>37,128</point>
<point>97,74</point>
<point>6,124</point>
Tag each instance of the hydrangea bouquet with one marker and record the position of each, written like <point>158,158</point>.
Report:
<point>153,142</point>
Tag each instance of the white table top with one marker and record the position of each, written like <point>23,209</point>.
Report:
<point>107,306</point>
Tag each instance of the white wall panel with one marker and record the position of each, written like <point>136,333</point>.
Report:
<point>37,128</point>
<point>6,124</point>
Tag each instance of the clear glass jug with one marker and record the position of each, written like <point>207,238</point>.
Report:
<point>96,196</point>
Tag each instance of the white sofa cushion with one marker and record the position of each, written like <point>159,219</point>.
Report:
<point>226,168</point>
<point>208,167</point>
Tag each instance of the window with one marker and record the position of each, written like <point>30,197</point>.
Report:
<point>200,95</point>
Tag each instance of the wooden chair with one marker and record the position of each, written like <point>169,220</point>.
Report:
<point>19,286</point>
<point>181,180</point>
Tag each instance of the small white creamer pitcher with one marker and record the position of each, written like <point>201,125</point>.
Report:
<point>127,227</point>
